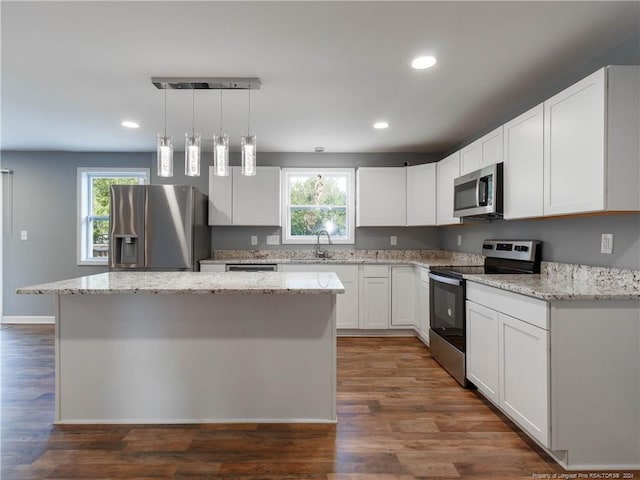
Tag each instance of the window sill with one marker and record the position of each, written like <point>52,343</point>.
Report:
<point>103,263</point>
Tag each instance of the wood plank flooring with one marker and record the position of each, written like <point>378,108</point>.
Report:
<point>400,417</point>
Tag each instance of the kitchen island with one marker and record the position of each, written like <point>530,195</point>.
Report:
<point>184,347</point>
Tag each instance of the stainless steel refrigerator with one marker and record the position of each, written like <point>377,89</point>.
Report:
<point>158,227</point>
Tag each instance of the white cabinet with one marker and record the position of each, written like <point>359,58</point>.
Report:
<point>212,267</point>
<point>484,151</point>
<point>523,163</point>
<point>375,307</point>
<point>591,145</point>
<point>404,297</point>
<point>245,200</point>
<point>381,197</point>
<point>424,313</point>
<point>508,355</point>
<point>347,303</point>
<point>421,194</point>
<point>482,350</point>
<point>447,170</point>
<point>524,375</point>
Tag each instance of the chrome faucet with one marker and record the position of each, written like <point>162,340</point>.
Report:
<point>319,252</point>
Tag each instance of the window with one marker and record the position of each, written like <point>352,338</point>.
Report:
<point>93,209</point>
<point>318,199</point>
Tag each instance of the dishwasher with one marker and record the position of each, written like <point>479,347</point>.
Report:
<point>251,267</point>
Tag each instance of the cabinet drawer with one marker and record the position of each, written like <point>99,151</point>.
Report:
<point>375,271</point>
<point>530,310</point>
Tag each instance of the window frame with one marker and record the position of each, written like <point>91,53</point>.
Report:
<point>84,200</point>
<point>287,238</point>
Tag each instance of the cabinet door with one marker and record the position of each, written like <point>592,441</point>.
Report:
<point>347,303</point>
<point>524,375</point>
<point>523,163</point>
<point>574,152</point>
<point>256,199</point>
<point>403,297</point>
<point>447,170</point>
<point>421,195</point>
<point>381,197</point>
<point>423,303</point>
<point>482,350</point>
<point>220,199</point>
<point>484,151</point>
<point>374,307</point>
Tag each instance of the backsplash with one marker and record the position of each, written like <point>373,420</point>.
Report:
<point>588,273</point>
<point>395,255</point>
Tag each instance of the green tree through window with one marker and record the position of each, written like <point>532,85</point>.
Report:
<point>100,208</point>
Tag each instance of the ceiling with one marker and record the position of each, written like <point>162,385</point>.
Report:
<point>72,71</point>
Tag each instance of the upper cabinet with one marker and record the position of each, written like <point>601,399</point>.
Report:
<point>591,146</point>
<point>421,195</point>
<point>447,170</point>
<point>245,200</point>
<point>484,151</point>
<point>381,197</point>
<point>523,161</point>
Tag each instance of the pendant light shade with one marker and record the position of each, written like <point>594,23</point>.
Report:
<point>192,145</point>
<point>249,155</point>
<point>165,156</point>
<point>165,148</point>
<point>221,150</point>
<point>248,147</point>
<point>192,155</point>
<point>221,155</point>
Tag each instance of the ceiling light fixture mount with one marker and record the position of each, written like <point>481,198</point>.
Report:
<point>207,83</point>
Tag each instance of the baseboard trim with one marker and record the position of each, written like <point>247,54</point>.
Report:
<point>29,319</point>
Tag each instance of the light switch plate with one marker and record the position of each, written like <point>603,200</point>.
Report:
<point>273,239</point>
<point>254,239</point>
<point>393,240</point>
<point>24,235</point>
<point>459,240</point>
<point>606,245</point>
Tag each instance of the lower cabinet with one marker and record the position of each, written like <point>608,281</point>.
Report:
<point>508,357</point>
<point>482,350</point>
<point>375,307</point>
<point>424,312</point>
<point>404,297</point>
<point>347,310</point>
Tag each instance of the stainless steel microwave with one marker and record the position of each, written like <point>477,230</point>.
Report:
<point>479,193</point>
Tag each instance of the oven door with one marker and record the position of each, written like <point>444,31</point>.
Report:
<point>447,317</point>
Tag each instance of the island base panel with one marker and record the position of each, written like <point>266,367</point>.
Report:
<point>196,358</point>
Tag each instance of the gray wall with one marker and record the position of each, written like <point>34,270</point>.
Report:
<point>570,240</point>
<point>45,204</point>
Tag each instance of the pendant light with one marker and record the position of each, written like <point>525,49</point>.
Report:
<point>165,148</point>
<point>221,150</point>
<point>248,146</point>
<point>192,146</point>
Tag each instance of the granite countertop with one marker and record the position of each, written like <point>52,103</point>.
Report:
<point>431,262</point>
<point>559,287</point>
<point>193,283</point>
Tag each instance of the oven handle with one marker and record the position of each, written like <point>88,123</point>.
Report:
<point>447,280</point>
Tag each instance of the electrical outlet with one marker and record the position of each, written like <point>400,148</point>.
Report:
<point>24,235</point>
<point>606,245</point>
<point>273,239</point>
<point>254,239</point>
<point>393,240</point>
<point>459,240</point>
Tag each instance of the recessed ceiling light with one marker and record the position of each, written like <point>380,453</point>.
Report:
<point>318,149</point>
<point>130,124</point>
<point>421,63</point>
<point>380,125</point>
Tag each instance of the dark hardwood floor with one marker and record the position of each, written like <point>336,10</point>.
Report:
<point>400,417</point>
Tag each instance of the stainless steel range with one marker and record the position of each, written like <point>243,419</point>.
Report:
<point>447,334</point>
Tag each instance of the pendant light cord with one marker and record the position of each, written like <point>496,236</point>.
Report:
<point>220,112</point>
<point>249,120</point>
<point>193,109</point>
<point>165,112</point>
